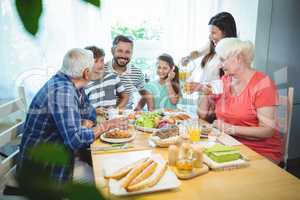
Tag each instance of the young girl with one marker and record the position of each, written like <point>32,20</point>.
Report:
<point>164,92</point>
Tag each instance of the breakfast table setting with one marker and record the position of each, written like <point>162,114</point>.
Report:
<point>170,154</point>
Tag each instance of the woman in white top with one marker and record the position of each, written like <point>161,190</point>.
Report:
<point>221,26</point>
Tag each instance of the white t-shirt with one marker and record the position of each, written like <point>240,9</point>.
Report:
<point>209,72</point>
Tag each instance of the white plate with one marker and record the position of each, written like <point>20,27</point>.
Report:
<point>117,140</point>
<point>226,165</point>
<point>145,129</point>
<point>228,140</point>
<point>155,141</point>
<point>167,181</point>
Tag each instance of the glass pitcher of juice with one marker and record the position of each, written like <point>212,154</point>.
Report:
<point>184,163</point>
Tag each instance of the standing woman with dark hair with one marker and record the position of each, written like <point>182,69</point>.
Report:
<point>221,26</point>
<point>164,92</point>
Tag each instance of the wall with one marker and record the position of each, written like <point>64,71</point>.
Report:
<point>277,53</point>
<point>245,21</point>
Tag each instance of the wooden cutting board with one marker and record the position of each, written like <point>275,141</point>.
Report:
<point>194,173</point>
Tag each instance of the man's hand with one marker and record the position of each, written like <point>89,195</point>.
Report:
<point>101,111</point>
<point>87,123</point>
<point>120,122</point>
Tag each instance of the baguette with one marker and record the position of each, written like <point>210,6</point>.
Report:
<point>135,172</point>
<point>145,173</point>
<point>149,182</point>
<point>161,172</point>
<point>125,170</point>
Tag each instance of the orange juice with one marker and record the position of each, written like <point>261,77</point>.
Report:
<point>184,165</point>
<point>182,75</point>
<point>194,133</point>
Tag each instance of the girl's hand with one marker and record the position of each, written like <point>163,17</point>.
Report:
<point>171,75</point>
<point>185,60</point>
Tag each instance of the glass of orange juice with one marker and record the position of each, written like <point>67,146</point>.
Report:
<point>182,75</point>
<point>194,130</point>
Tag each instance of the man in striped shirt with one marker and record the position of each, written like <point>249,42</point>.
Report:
<point>131,76</point>
<point>105,90</point>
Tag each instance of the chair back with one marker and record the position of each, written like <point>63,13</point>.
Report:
<point>12,116</point>
<point>285,112</point>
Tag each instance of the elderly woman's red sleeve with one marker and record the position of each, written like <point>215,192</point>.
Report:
<point>266,93</point>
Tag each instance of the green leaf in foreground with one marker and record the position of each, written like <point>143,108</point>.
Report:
<point>50,154</point>
<point>79,191</point>
<point>29,12</point>
<point>96,3</point>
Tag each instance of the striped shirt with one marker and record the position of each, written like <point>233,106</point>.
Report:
<point>132,79</point>
<point>103,92</point>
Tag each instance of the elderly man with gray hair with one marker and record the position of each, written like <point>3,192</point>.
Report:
<point>60,113</point>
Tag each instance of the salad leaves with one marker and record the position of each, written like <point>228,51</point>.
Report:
<point>148,120</point>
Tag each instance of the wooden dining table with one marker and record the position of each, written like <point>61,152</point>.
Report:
<point>262,179</point>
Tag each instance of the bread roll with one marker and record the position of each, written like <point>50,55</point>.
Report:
<point>145,173</point>
<point>173,153</point>
<point>135,172</point>
<point>125,170</point>
<point>198,156</point>
<point>161,172</point>
<point>149,182</point>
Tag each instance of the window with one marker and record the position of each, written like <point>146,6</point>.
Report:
<point>157,26</point>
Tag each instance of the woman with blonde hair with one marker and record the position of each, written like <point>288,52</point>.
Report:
<point>247,107</point>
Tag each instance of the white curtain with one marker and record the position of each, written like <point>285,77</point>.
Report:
<point>186,25</point>
<point>72,23</point>
<point>63,25</point>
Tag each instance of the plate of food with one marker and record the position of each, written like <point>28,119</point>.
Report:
<point>117,136</point>
<point>165,137</point>
<point>180,116</point>
<point>220,156</point>
<point>141,175</point>
<point>154,121</point>
<point>148,122</point>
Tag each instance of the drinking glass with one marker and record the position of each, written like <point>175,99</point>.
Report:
<point>194,130</point>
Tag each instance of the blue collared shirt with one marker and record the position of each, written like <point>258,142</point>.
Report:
<point>55,116</point>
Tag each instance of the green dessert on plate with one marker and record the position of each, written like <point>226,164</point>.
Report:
<point>220,153</point>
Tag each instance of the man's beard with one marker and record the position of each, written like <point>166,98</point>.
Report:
<point>120,64</point>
